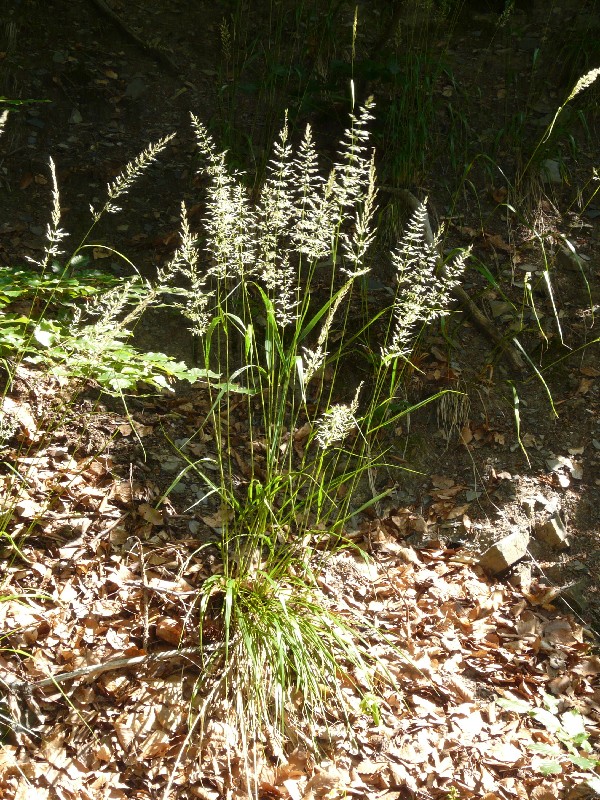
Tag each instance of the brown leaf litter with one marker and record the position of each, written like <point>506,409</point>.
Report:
<point>100,658</point>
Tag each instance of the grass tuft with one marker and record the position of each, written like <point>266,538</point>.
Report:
<point>279,292</point>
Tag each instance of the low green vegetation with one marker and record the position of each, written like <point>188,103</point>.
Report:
<point>569,727</point>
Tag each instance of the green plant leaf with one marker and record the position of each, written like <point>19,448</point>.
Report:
<point>546,749</point>
<point>46,333</point>
<point>546,718</point>
<point>509,704</point>
<point>584,763</point>
<point>549,767</point>
<point>574,725</point>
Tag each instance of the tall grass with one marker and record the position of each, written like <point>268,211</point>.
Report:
<point>274,309</point>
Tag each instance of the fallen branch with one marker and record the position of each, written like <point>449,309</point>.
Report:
<point>96,669</point>
<point>156,52</point>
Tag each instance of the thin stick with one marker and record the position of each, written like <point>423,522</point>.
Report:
<point>96,669</point>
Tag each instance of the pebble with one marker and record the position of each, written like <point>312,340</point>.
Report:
<point>550,171</point>
<point>504,553</point>
<point>136,88</point>
<point>171,464</point>
<point>552,532</point>
<point>500,308</point>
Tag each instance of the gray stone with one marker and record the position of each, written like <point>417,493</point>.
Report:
<point>36,123</point>
<point>504,553</point>
<point>552,532</point>
<point>171,464</point>
<point>500,308</point>
<point>576,594</point>
<point>136,88</point>
<point>532,503</point>
<point>550,171</point>
<point>525,267</point>
<point>569,260</point>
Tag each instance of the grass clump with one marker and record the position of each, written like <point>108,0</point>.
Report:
<point>279,309</point>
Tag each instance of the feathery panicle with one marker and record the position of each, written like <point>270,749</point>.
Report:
<point>109,307</point>
<point>423,294</point>
<point>275,211</point>
<point>315,203</point>
<point>353,174</point>
<point>230,223</point>
<point>286,298</point>
<point>337,422</point>
<point>123,182</point>
<point>185,262</point>
<point>583,82</point>
<point>54,233</point>
<point>314,359</point>
<point>356,245</point>
<point>226,43</point>
<point>307,179</point>
<point>3,118</point>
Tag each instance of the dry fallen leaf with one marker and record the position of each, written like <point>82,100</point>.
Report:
<point>151,515</point>
<point>169,630</point>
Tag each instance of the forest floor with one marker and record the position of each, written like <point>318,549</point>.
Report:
<point>111,580</point>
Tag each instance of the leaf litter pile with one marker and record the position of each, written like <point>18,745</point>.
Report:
<point>496,695</point>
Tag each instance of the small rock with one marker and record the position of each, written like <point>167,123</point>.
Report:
<point>525,267</point>
<point>552,532</point>
<point>550,171</point>
<point>528,506</point>
<point>36,123</point>
<point>136,88</point>
<point>569,260</point>
<point>576,595</point>
<point>171,464</point>
<point>504,553</point>
<point>529,43</point>
<point>500,307</point>
<point>533,503</point>
<point>558,465</point>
